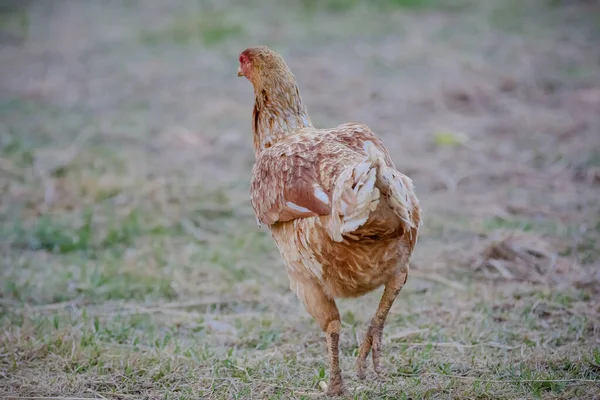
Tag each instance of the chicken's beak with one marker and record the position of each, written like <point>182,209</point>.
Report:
<point>240,73</point>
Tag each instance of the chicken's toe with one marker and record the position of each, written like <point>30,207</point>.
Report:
<point>361,369</point>
<point>376,351</point>
<point>335,387</point>
<point>363,352</point>
<point>371,344</point>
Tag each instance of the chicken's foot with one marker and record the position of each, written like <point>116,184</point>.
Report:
<point>372,339</point>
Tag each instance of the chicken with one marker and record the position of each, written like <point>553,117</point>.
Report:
<point>344,219</point>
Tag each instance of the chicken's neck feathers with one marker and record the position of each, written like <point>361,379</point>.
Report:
<point>278,112</point>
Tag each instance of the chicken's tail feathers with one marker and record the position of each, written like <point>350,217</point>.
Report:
<point>396,188</point>
<point>359,190</point>
<point>354,197</point>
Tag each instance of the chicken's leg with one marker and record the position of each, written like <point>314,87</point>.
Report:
<point>336,384</point>
<point>372,339</point>
<point>324,310</point>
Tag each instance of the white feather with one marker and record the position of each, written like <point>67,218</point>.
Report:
<point>296,207</point>
<point>321,195</point>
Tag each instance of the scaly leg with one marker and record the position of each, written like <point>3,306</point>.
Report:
<point>372,339</point>
<point>336,383</point>
<point>324,310</point>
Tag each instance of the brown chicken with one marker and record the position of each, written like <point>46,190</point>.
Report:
<point>344,220</point>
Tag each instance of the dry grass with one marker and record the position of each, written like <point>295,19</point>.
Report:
<point>131,263</point>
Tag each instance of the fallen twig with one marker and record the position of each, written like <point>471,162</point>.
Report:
<point>458,345</point>
<point>191,229</point>
<point>405,334</point>
<point>434,277</point>
<point>474,378</point>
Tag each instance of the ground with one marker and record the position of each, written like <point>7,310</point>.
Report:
<point>132,266</point>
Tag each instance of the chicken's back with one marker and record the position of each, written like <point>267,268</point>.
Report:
<point>331,170</point>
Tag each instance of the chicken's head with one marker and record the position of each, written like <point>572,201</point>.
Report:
<point>261,64</point>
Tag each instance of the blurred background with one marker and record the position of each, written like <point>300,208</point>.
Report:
<point>131,265</point>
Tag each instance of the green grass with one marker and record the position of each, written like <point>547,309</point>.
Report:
<point>337,6</point>
<point>543,226</point>
<point>208,28</point>
<point>452,5</point>
<point>14,21</point>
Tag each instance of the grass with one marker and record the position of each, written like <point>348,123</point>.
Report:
<point>14,21</point>
<point>148,351</point>
<point>408,5</point>
<point>208,28</point>
<point>131,265</point>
